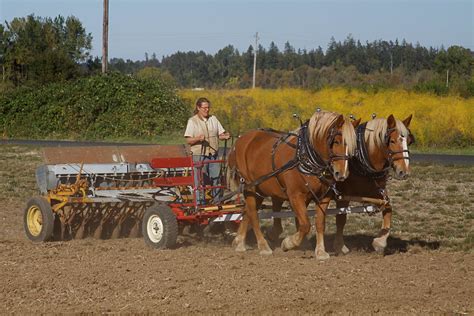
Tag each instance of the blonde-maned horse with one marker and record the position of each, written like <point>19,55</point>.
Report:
<point>302,168</point>
<point>382,144</point>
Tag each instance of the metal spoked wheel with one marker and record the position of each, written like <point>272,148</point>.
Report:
<point>38,220</point>
<point>160,227</point>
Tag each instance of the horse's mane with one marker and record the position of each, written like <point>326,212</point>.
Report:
<point>322,121</point>
<point>377,128</point>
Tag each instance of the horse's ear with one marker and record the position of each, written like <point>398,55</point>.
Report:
<point>407,121</point>
<point>391,123</point>
<point>356,123</point>
<point>339,120</point>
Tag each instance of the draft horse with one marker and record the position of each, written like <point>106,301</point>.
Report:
<point>298,167</point>
<point>382,144</point>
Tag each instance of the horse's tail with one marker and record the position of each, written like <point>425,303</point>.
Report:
<point>232,175</point>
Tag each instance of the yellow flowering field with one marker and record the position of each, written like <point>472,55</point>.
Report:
<point>437,121</point>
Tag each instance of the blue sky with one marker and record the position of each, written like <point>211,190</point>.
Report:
<point>165,27</point>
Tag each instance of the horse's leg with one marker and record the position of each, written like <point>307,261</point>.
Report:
<point>299,207</point>
<point>320,250</point>
<point>253,202</point>
<point>277,228</point>
<point>239,240</point>
<point>380,242</point>
<point>339,245</point>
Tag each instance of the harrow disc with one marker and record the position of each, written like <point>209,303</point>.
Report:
<point>38,220</point>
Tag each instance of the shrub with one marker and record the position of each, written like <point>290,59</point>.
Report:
<point>93,108</point>
<point>433,86</point>
<point>437,121</point>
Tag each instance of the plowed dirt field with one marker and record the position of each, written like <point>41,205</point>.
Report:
<point>428,268</point>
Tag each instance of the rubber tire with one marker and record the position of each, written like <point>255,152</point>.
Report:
<point>160,213</point>
<point>47,215</point>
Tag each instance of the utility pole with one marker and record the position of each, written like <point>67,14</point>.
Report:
<point>255,60</point>
<point>391,64</point>
<point>105,37</point>
<point>447,78</point>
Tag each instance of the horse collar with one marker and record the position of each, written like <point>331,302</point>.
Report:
<point>310,162</point>
<point>363,165</point>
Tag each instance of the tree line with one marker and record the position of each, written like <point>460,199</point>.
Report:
<point>347,63</point>
<point>36,50</point>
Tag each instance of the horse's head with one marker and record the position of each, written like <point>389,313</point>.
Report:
<point>398,138</point>
<point>393,137</point>
<point>334,139</point>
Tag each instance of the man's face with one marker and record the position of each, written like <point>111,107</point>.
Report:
<point>204,109</point>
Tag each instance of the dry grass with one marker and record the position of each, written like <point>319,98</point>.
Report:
<point>433,207</point>
<point>17,172</point>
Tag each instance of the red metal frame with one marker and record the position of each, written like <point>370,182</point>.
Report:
<point>184,169</point>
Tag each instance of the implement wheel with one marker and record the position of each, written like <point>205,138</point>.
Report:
<point>160,227</point>
<point>38,220</point>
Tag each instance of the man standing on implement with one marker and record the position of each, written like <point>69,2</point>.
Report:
<point>203,133</point>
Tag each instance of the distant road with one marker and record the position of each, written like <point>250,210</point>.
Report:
<point>424,158</point>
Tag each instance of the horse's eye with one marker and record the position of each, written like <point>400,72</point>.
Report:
<point>392,141</point>
<point>336,142</point>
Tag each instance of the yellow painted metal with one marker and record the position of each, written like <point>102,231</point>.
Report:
<point>64,193</point>
<point>34,220</point>
<point>226,207</point>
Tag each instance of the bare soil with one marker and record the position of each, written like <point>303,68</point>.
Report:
<point>425,270</point>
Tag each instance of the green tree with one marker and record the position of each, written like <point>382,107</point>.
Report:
<point>42,50</point>
<point>272,57</point>
<point>456,59</point>
<point>154,73</point>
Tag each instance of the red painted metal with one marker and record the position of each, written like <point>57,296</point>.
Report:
<point>179,172</point>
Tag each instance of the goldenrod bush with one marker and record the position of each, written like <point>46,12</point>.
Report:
<point>437,121</point>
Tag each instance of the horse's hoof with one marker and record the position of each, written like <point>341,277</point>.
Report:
<point>239,244</point>
<point>236,241</point>
<point>379,244</point>
<point>322,255</point>
<point>345,250</point>
<point>266,252</point>
<point>342,250</point>
<point>240,248</point>
<point>286,244</point>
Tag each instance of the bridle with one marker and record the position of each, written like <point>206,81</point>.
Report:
<point>391,153</point>
<point>363,165</point>
<point>333,133</point>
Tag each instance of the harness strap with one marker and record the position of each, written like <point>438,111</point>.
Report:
<point>289,165</point>
<point>310,161</point>
<point>361,163</point>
